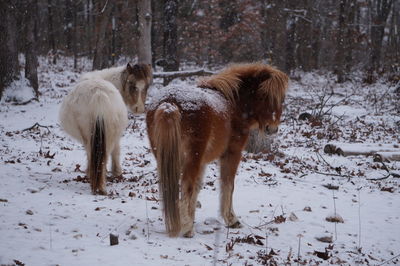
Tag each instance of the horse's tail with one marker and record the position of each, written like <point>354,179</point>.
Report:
<point>167,140</point>
<point>98,140</point>
<point>97,156</point>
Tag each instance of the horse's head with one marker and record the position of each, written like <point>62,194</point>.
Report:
<point>269,95</point>
<point>258,90</point>
<point>136,80</point>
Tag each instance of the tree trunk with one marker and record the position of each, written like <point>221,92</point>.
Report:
<point>157,30</point>
<point>350,32</point>
<point>9,68</point>
<point>68,20</point>
<point>170,37</point>
<point>51,38</point>
<point>291,21</point>
<point>89,26</point>
<point>290,43</point>
<point>75,34</point>
<point>31,61</point>
<point>340,47</point>
<point>144,42</point>
<point>265,43</point>
<point>380,13</point>
<point>101,56</point>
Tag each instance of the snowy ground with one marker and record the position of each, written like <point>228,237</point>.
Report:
<point>48,215</point>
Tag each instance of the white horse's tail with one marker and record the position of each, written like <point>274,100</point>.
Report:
<point>99,141</point>
<point>98,155</point>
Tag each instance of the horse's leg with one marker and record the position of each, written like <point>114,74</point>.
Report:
<point>101,186</point>
<point>116,165</point>
<point>229,164</point>
<point>190,187</point>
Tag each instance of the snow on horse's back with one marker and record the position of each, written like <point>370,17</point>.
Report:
<point>95,113</point>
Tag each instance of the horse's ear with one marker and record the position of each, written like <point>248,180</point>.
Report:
<point>149,73</point>
<point>129,68</point>
<point>149,70</point>
<point>263,75</point>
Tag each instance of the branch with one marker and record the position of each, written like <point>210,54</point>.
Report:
<point>330,174</point>
<point>26,102</point>
<point>378,158</point>
<point>36,125</point>
<point>182,74</point>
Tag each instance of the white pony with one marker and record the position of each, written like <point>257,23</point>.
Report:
<point>95,114</point>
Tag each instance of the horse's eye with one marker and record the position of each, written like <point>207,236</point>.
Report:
<point>132,88</point>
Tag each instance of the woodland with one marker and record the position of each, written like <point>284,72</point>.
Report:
<point>323,190</point>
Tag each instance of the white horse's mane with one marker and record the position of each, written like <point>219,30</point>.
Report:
<point>112,75</point>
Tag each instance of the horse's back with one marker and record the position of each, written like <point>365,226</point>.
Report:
<point>112,75</point>
<point>90,99</point>
<point>205,118</point>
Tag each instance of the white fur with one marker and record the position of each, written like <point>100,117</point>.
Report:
<point>112,75</point>
<point>140,85</point>
<point>91,98</point>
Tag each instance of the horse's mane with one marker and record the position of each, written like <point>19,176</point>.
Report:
<point>229,80</point>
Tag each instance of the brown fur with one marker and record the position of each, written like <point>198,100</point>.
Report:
<point>254,95</point>
<point>167,143</point>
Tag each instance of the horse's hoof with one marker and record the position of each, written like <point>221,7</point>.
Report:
<point>102,192</point>
<point>189,234</point>
<point>237,224</point>
<point>117,173</point>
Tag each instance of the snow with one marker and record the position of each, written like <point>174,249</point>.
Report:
<point>19,91</point>
<point>190,98</point>
<point>48,215</point>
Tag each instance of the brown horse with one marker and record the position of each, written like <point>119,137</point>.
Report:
<point>190,127</point>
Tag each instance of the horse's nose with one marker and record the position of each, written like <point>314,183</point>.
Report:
<point>138,109</point>
<point>272,129</point>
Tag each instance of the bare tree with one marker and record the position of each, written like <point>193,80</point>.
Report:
<point>170,37</point>
<point>101,55</point>
<point>380,10</point>
<point>144,42</point>
<point>290,36</point>
<point>31,60</point>
<point>157,30</point>
<point>343,58</point>
<point>51,38</point>
<point>9,69</point>
<point>68,23</point>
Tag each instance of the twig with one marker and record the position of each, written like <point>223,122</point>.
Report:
<point>147,215</point>
<point>216,244</point>
<point>380,178</point>
<point>36,125</point>
<point>298,250</point>
<point>379,158</point>
<point>329,174</point>
<point>398,255</point>
<point>266,245</point>
<point>323,159</point>
<point>334,210</point>
<point>339,118</point>
<point>359,218</point>
<point>26,102</point>
<point>51,237</point>
<point>104,8</point>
